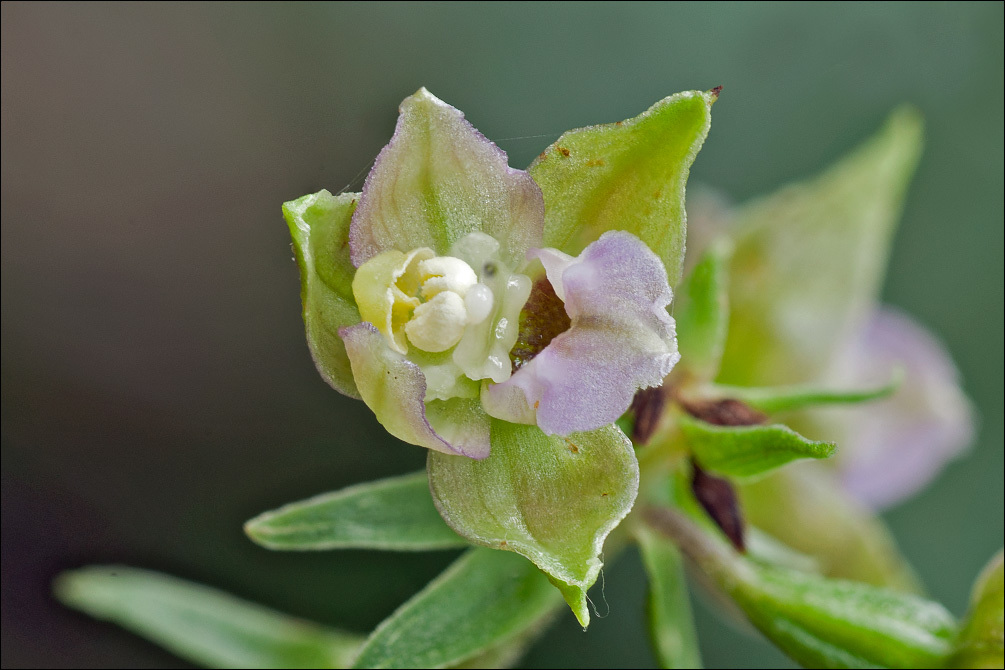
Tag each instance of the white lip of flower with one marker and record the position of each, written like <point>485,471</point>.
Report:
<point>440,303</point>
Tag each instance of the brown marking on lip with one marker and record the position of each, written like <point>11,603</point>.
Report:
<point>542,319</point>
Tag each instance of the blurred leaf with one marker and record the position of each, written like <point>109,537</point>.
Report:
<point>395,514</point>
<point>483,601</point>
<point>810,260</point>
<point>701,308</point>
<point>771,400</point>
<point>319,225</point>
<point>203,625</point>
<point>671,628</point>
<point>628,175</point>
<point>806,510</point>
<point>819,622</point>
<point>551,499</point>
<point>748,451</point>
<point>981,643</point>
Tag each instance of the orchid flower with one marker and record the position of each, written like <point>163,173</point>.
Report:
<point>483,311</point>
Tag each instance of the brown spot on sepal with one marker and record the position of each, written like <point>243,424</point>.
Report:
<point>718,498</point>
<point>723,412</point>
<point>647,406</point>
<point>565,152</point>
<point>572,447</point>
<point>595,162</point>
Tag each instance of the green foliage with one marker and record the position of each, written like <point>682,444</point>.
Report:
<point>775,399</point>
<point>395,514</point>
<point>748,451</point>
<point>701,308</point>
<point>485,599</point>
<point>981,643</point>
<point>201,624</point>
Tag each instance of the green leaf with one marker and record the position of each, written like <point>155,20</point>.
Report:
<point>810,260</point>
<point>395,514</point>
<point>748,451</point>
<point>701,309</point>
<point>628,175</point>
<point>981,643</point>
<point>319,225</point>
<point>825,623</point>
<point>671,628</point>
<point>819,622</point>
<point>805,508</point>
<point>203,625</point>
<point>483,601</point>
<point>551,499</point>
<point>775,399</point>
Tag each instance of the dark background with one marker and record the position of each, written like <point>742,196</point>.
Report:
<point>156,387</point>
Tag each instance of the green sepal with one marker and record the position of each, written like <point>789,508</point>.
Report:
<point>628,175</point>
<point>201,624</point>
<point>395,514</point>
<point>575,597</point>
<point>484,601</point>
<point>319,226</point>
<point>671,627</point>
<point>701,309</point>
<point>809,260</point>
<point>551,499</point>
<point>981,643</point>
<point>771,400</point>
<point>748,451</point>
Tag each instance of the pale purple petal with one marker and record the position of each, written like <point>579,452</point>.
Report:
<point>621,339</point>
<point>892,448</point>
<point>395,388</point>
<point>439,179</point>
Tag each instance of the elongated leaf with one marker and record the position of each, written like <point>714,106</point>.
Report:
<point>748,451</point>
<point>819,622</point>
<point>485,599</point>
<point>319,225</point>
<point>807,511</point>
<point>787,398</point>
<point>205,626</point>
<point>810,258</point>
<point>628,175</point>
<point>395,514</point>
<point>702,312</point>
<point>671,628</point>
<point>981,643</point>
<point>551,499</point>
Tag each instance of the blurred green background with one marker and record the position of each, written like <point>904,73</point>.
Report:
<point>157,390</point>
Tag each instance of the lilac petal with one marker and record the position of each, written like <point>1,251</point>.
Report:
<point>439,179</point>
<point>894,447</point>
<point>395,388</point>
<point>622,339</point>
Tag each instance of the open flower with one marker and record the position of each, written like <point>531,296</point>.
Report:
<point>450,273</point>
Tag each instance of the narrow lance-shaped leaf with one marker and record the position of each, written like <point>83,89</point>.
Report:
<point>628,176</point>
<point>789,398</point>
<point>809,260</point>
<point>671,628</point>
<point>319,225</point>
<point>748,451</point>
<point>203,625</point>
<point>551,499</point>
<point>484,600</point>
<point>395,514</point>
<point>702,311</point>
<point>819,622</point>
<point>981,643</point>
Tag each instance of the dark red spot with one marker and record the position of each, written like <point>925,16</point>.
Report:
<point>647,406</point>
<point>718,499</point>
<point>716,91</point>
<point>724,412</point>
<point>542,319</point>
